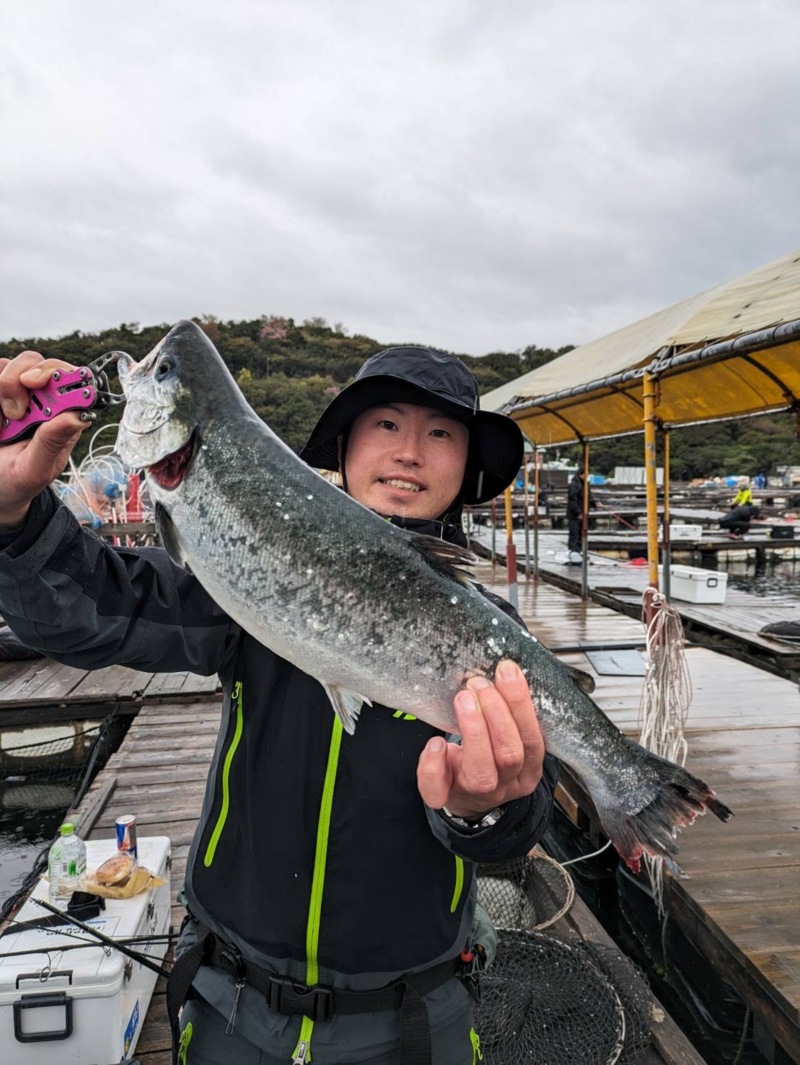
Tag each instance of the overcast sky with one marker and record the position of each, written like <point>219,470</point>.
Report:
<point>475,174</point>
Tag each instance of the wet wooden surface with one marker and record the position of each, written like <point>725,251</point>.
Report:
<point>39,689</point>
<point>740,901</point>
<point>732,627</point>
<point>159,774</point>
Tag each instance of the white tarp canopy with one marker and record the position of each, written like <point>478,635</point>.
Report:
<point>595,390</point>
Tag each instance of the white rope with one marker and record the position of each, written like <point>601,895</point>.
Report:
<point>664,706</point>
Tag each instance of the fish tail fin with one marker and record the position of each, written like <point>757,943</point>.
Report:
<point>676,799</point>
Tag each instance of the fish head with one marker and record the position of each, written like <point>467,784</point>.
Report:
<point>169,397</point>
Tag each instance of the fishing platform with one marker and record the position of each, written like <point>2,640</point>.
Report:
<point>732,627</point>
<point>739,902</point>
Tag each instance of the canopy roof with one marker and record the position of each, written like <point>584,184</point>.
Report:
<point>728,352</point>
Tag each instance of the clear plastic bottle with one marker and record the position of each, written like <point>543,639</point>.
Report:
<point>66,865</point>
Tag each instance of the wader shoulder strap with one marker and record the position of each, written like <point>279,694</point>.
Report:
<point>180,979</point>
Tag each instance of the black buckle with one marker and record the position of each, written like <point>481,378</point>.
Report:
<point>230,958</point>
<point>284,996</point>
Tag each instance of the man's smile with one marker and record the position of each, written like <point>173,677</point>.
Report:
<point>399,482</point>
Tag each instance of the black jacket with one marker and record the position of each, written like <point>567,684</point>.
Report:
<point>575,498</point>
<point>314,853</point>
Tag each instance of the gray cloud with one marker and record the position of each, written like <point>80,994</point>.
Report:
<point>475,176</point>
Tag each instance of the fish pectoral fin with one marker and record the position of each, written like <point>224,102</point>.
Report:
<point>168,535</point>
<point>452,559</point>
<point>585,681</point>
<point>346,705</point>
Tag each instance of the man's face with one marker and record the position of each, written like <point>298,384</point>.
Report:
<point>406,460</point>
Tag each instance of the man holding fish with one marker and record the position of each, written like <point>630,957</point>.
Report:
<point>331,879</point>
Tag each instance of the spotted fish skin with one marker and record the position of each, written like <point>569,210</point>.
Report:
<point>373,612</point>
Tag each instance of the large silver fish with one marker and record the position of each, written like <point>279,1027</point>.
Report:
<point>375,613</point>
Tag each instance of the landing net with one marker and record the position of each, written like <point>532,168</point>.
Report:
<point>546,998</point>
<point>555,1001</point>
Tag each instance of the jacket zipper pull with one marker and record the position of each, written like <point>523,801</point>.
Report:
<point>232,1018</point>
<point>301,1054</point>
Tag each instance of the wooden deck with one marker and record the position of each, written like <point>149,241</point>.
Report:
<point>38,689</point>
<point>159,774</point>
<point>741,902</point>
<point>731,627</point>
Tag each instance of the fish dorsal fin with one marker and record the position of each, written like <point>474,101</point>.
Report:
<point>347,706</point>
<point>585,681</point>
<point>168,535</point>
<point>456,561</point>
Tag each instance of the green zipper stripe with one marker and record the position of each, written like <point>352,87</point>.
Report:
<point>321,857</point>
<point>304,1040</point>
<point>459,883</point>
<point>211,850</point>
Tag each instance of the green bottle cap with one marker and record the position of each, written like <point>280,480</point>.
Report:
<point>67,828</point>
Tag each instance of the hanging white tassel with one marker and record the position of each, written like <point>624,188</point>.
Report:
<point>666,695</point>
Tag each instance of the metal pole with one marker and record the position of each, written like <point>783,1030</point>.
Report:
<point>494,535</point>
<point>585,525</point>
<point>525,519</point>
<point>536,483</point>
<point>650,400</point>
<point>511,553</point>
<point>666,542</point>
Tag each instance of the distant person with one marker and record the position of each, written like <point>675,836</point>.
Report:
<point>759,481</point>
<point>575,517</point>
<point>737,520</point>
<point>744,496</point>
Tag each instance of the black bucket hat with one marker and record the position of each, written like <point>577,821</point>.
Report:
<point>433,379</point>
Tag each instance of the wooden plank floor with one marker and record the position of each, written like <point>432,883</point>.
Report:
<point>732,627</point>
<point>159,774</point>
<point>740,902</point>
<point>39,689</point>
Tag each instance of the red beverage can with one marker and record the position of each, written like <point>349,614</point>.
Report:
<point>126,835</point>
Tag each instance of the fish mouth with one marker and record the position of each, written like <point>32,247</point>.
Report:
<point>170,471</point>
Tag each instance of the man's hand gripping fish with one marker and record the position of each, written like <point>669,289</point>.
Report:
<point>368,609</point>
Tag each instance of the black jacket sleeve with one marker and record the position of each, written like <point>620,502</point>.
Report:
<point>67,593</point>
<point>522,825</point>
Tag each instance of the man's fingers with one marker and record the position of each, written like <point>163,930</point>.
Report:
<point>512,685</point>
<point>507,747</point>
<point>434,773</point>
<point>44,456</point>
<point>479,768</point>
<point>22,375</point>
<point>514,748</point>
<point>13,394</point>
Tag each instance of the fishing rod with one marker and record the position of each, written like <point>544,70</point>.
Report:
<point>135,955</point>
<point>82,944</point>
<point>614,514</point>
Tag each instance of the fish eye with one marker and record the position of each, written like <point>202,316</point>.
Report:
<point>164,367</point>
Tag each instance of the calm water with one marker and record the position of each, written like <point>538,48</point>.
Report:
<point>40,773</point>
<point>779,580</point>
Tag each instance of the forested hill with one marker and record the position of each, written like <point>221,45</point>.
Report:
<point>289,373</point>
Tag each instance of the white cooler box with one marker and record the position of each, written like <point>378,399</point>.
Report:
<point>84,1006</point>
<point>694,585</point>
<point>683,532</point>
